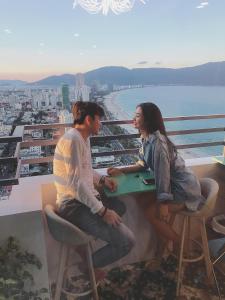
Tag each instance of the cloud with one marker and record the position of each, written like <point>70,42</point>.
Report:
<point>143,62</point>
<point>74,3</point>
<point>7,31</point>
<point>76,35</point>
<point>41,44</point>
<point>203,4</point>
<point>158,63</point>
<point>94,46</point>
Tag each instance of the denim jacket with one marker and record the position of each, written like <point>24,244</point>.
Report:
<point>174,182</point>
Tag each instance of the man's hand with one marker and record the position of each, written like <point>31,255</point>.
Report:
<point>110,184</point>
<point>164,212</point>
<point>114,171</point>
<point>112,218</point>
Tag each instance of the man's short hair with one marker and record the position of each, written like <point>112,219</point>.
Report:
<point>82,109</point>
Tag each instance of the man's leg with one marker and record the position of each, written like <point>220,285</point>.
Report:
<point>119,239</point>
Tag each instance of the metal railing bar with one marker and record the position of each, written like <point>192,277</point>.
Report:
<point>169,119</point>
<point>122,152</point>
<point>200,145</point>
<point>39,160</point>
<point>130,121</point>
<point>10,139</point>
<point>38,143</point>
<point>194,131</point>
<point>197,117</point>
<point>41,142</point>
<point>97,138</point>
<point>8,159</point>
<point>47,126</point>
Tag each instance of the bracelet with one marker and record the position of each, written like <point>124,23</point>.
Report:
<point>104,212</point>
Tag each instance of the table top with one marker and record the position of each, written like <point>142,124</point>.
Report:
<point>131,183</point>
<point>220,159</point>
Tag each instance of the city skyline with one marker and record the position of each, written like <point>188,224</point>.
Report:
<point>43,38</point>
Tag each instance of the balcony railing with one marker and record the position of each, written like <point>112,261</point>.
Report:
<point>20,137</point>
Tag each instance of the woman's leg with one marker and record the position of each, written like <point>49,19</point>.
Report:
<point>150,209</point>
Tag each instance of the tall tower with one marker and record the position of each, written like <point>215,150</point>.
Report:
<point>79,85</point>
<point>65,97</point>
<point>81,90</point>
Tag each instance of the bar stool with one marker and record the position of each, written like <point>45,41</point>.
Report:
<point>69,236</point>
<point>209,189</point>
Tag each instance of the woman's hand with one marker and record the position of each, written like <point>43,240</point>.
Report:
<point>163,212</point>
<point>114,171</point>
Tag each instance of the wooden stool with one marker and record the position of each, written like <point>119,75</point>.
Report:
<point>209,188</point>
<point>69,236</point>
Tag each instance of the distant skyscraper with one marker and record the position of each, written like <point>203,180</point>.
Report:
<point>79,80</point>
<point>82,91</point>
<point>65,97</point>
<point>78,86</point>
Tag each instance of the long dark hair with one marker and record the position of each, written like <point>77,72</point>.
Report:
<point>153,121</point>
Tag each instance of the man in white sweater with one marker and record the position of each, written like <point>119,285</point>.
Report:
<point>77,199</point>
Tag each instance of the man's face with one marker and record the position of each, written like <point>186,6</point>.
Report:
<point>95,125</point>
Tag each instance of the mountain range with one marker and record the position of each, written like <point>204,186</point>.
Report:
<point>209,74</point>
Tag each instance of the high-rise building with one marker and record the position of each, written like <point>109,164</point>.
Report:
<point>82,91</point>
<point>65,97</point>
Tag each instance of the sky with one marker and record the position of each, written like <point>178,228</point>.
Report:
<point>39,38</point>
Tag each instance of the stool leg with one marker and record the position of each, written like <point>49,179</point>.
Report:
<point>61,268</point>
<point>179,279</point>
<point>206,253</point>
<point>91,272</point>
<point>188,235</point>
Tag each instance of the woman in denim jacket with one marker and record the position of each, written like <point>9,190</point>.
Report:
<point>176,186</point>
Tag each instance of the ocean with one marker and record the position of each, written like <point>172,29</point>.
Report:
<point>182,101</point>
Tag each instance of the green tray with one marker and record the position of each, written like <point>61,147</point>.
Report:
<point>131,183</point>
<point>220,159</point>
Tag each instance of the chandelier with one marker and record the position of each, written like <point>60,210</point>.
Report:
<point>97,6</point>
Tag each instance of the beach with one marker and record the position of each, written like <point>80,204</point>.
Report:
<point>118,112</point>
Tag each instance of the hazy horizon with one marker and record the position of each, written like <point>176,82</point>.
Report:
<point>43,76</point>
<point>43,38</point>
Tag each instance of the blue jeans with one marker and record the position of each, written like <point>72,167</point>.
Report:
<point>120,239</point>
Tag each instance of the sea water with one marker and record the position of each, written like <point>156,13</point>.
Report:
<point>183,101</point>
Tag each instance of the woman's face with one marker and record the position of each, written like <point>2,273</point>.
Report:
<point>139,119</point>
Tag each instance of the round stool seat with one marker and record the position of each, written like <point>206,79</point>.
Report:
<point>70,236</point>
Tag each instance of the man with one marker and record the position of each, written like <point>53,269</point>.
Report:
<point>77,199</point>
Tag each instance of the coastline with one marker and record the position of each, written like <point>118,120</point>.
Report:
<point>118,113</point>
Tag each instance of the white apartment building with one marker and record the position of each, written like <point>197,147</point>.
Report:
<point>65,117</point>
<point>82,92</point>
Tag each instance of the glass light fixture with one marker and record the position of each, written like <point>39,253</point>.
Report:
<point>97,6</point>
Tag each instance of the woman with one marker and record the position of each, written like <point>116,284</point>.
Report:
<point>176,186</point>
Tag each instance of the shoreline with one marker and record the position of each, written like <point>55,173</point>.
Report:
<point>117,111</point>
